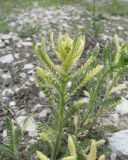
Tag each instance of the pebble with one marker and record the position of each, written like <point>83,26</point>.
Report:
<point>27,44</point>
<point>7,92</point>
<point>36,107</point>
<point>12,103</point>
<point>44,113</point>
<point>119,142</point>
<point>114,118</point>
<point>7,58</point>
<point>27,124</point>
<point>5,36</point>
<point>23,75</point>
<point>28,66</point>
<point>122,108</point>
<point>2,45</point>
<point>41,94</point>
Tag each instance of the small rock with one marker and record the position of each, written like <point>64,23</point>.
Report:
<point>7,92</point>
<point>6,41</point>
<point>5,36</point>
<point>4,133</point>
<point>28,66</point>
<point>27,44</point>
<point>119,142</point>
<point>2,45</point>
<point>6,75</point>
<point>36,107</point>
<point>28,39</point>
<point>44,113</point>
<point>31,71</point>
<point>120,28</point>
<point>21,112</point>
<point>6,59</point>
<point>12,103</point>
<point>32,79</point>
<point>115,118</point>
<point>122,108</point>
<point>17,55</point>
<point>113,156</point>
<point>41,94</point>
<point>27,124</point>
<point>23,75</point>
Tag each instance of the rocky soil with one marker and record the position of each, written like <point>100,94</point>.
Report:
<point>19,93</point>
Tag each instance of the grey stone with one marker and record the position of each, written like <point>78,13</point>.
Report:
<point>5,36</point>
<point>27,124</point>
<point>7,92</point>
<point>28,66</point>
<point>122,108</point>
<point>114,118</point>
<point>7,58</point>
<point>44,113</point>
<point>6,41</point>
<point>6,75</point>
<point>23,75</point>
<point>36,107</point>
<point>27,44</point>
<point>2,45</point>
<point>12,103</point>
<point>41,94</point>
<point>119,142</point>
<point>113,156</point>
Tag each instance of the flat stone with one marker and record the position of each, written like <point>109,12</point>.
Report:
<point>6,41</point>
<point>36,107</point>
<point>41,94</point>
<point>32,79</point>
<point>12,103</point>
<point>119,142</point>
<point>27,44</point>
<point>44,113</point>
<point>7,92</point>
<point>120,28</point>
<point>5,36</point>
<point>6,76</point>
<point>2,45</point>
<point>114,118</point>
<point>23,75</point>
<point>6,59</point>
<point>122,108</point>
<point>28,66</point>
<point>27,124</point>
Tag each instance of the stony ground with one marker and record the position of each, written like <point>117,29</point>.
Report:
<point>19,92</point>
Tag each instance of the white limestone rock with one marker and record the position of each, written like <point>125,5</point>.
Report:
<point>41,94</point>
<point>119,142</point>
<point>28,66</point>
<point>2,45</point>
<point>44,113</point>
<point>7,58</point>
<point>27,124</point>
<point>5,36</point>
<point>12,103</point>
<point>7,92</point>
<point>115,118</point>
<point>27,44</point>
<point>122,108</point>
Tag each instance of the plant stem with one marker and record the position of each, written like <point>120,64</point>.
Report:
<point>60,120</point>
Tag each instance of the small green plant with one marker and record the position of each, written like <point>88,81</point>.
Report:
<point>12,148</point>
<point>61,83</point>
<point>73,153</point>
<point>28,30</point>
<point>4,28</point>
<point>96,26</point>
